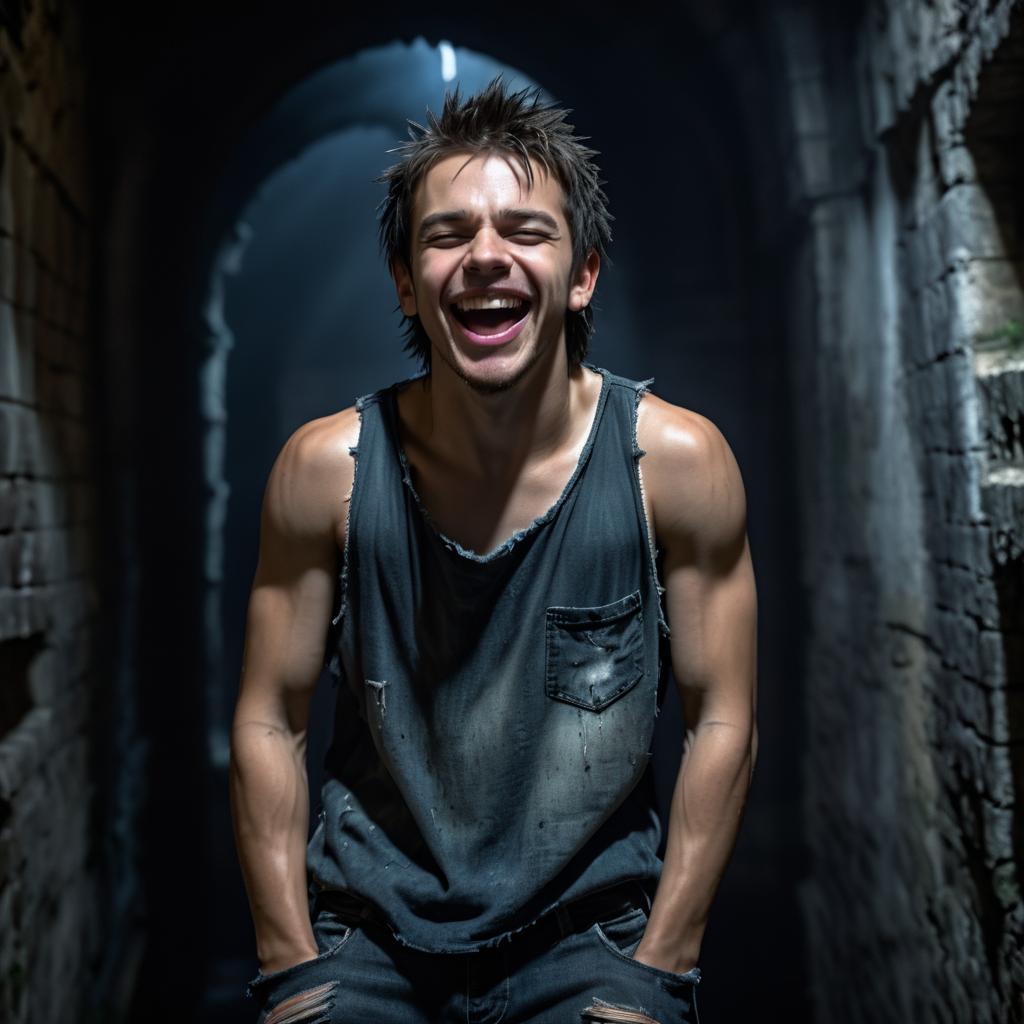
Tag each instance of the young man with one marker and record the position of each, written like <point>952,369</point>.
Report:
<point>482,553</point>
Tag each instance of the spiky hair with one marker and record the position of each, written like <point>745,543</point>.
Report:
<point>519,125</point>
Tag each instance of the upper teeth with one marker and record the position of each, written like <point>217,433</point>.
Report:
<point>489,302</point>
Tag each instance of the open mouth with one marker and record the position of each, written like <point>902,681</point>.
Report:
<point>491,320</point>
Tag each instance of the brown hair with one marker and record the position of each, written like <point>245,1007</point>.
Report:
<point>525,128</point>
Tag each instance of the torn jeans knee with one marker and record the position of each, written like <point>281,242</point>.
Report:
<point>312,1006</point>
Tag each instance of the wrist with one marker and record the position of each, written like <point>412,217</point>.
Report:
<point>279,956</point>
<point>675,958</point>
<point>671,942</point>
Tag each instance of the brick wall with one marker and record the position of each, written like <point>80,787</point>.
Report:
<point>907,308</point>
<point>55,919</point>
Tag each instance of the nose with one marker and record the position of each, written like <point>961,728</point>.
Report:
<point>486,253</point>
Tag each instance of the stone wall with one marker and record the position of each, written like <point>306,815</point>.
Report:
<point>907,312</point>
<point>902,168</point>
<point>55,843</point>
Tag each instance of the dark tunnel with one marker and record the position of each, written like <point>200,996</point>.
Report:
<point>816,245</point>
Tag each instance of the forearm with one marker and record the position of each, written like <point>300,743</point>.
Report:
<point>707,805</point>
<point>270,809</point>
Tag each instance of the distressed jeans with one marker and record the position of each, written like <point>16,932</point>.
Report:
<point>574,965</point>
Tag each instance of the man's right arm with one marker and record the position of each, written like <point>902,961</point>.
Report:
<point>286,627</point>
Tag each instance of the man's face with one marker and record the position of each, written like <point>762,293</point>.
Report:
<point>491,268</point>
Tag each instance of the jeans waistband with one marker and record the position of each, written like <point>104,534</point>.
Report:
<point>566,919</point>
<point>580,914</point>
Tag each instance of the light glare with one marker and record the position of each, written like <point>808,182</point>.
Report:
<point>447,60</point>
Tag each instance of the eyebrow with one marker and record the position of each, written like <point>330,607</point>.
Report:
<point>458,216</point>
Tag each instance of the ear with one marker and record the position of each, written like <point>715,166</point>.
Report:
<point>584,282</point>
<point>403,285</point>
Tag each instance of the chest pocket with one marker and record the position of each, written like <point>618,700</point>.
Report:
<point>594,655</point>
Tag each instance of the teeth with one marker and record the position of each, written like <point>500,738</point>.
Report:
<point>489,302</point>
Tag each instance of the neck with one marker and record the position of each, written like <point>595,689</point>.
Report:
<point>492,434</point>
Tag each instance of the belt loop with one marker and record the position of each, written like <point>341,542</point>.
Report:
<point>564,919</point>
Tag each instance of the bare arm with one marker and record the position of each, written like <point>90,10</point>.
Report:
<point>700,516</point>
<point>289,609</point>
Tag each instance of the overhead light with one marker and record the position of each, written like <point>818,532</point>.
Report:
<point>447,60</point>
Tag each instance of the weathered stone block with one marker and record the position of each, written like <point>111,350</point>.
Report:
<point>957,165</point>
<point>985,296</point>
<point>999,373</point>
<point>935,337</point>
<point>28,442</point>
<point>1003,501</point>
<point>968,221</point>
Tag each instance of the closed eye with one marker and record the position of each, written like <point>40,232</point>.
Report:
<point>460,238</point>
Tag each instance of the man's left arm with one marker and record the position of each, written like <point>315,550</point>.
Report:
<point>699,508</point>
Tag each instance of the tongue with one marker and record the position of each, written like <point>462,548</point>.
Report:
<point>490,321</point>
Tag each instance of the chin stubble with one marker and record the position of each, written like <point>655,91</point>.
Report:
<point>486,387</point>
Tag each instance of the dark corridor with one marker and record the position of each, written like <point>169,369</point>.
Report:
<point>818,245</point>
<point>248,150</point>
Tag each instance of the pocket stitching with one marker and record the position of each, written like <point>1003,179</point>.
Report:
<point>558,616</point>
<point>665,976</point>
<point>627,915</point>
<point>262,978</point>
<point>569,615</point>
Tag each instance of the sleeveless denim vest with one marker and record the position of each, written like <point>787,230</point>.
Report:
<point>494,715</point>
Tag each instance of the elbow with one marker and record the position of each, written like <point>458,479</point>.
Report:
<point>257,729</point>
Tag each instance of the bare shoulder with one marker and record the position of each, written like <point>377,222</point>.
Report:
<point>691,476</point>
<point>311,479</point>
